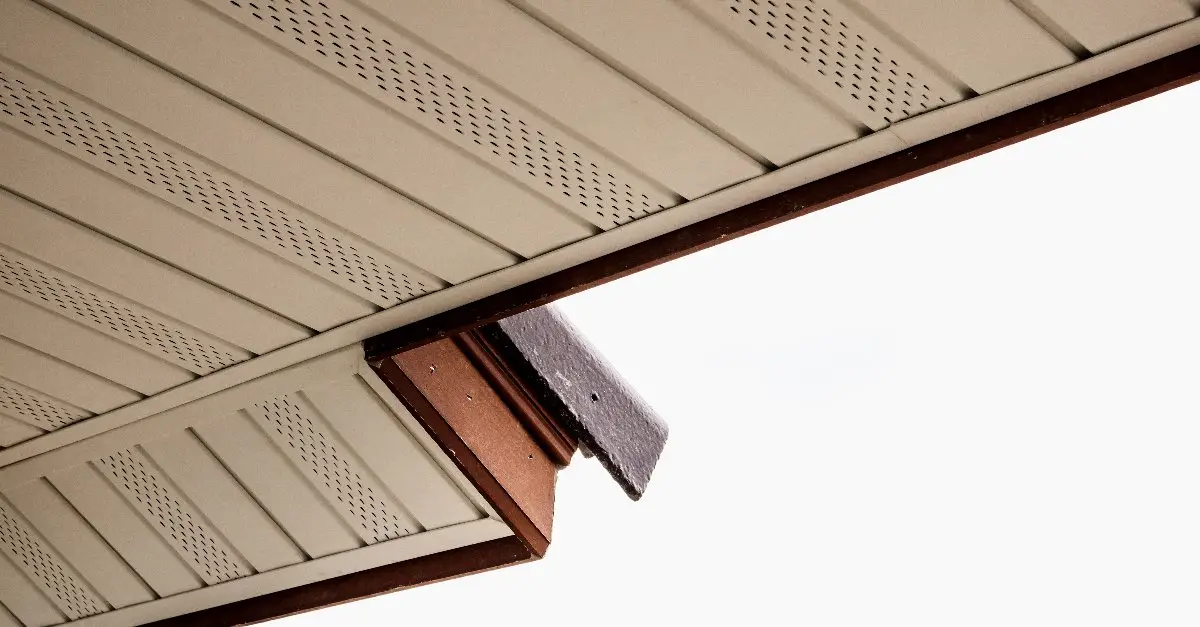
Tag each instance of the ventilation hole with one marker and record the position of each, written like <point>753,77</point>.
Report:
<point>791,23</point>
<point>435,97</point>
<point>318,453</point>
<point>21,402</point>
<point>46,568</point>
<point>158,501</point>
<point>215,197</point>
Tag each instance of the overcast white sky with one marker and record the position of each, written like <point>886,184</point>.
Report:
<point>970,399</point>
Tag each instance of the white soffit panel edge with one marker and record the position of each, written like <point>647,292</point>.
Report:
<point>278,486</point>
<point>227,135</point>
<point>27,603</point>
<point>37,409</point>
<point>153,498</point>
<point>295,428</point>
<point>354,414</point>
<point>986,44</point>
<point>95,502</point>
<point>13,431</point>
<point>79,544</point>
<point>223,403</point>
<point>1050,84</point>
<point>230,59</point>
<point>910,132</point>
<point>205,190</point>
<point>199,473</point>
<point>44,567</point>
<point>847,60</point>
<point>1102,24</point>
<point>415,82</point>
<point>697,68</point>
<point>574,88</point>
<point>7,619</point>
<point>170,513</point>
<point>34,170</point>
<point>60,379</point>
<point>86,348</point>
<point>114,316</point>
<point>74,249</point>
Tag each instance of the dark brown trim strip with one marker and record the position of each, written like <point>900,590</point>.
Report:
<point>557,443</point>
<point>1079,104</point>
<point>407,574</point>
<point>466,460</point>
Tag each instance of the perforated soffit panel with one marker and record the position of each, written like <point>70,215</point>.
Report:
<point>187,186</point>
<point>197,194</point>
<point>303,475</point>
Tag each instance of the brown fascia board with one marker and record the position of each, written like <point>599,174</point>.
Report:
<point>1084,102</point>
<point>480,432</point>
<point>514,387</point>
<point>450,564</point>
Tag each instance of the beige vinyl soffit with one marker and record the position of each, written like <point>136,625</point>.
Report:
<point>309,473</point>
<point>384,285</point>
